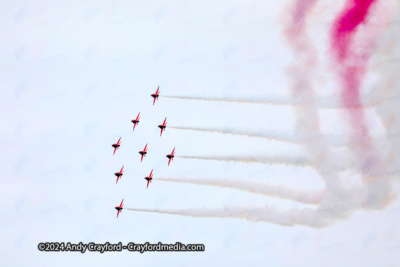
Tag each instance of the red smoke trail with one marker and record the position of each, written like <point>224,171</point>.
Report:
<point>352,66</point>
<point>352,16</point>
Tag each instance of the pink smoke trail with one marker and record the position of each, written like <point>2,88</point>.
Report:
<point>343,31</point>
<point>352,66</point>
<point>301,75</point>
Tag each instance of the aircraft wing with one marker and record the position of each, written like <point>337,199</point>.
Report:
<point>115,149</point>
<point>118,214</point>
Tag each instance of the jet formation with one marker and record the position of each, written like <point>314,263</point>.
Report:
<point>143,152</point>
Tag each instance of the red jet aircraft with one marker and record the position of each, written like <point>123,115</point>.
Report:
<point>120,173</point>
<point>117,145</point>
<point>143,153</point>
<point>163,126</point>
<point>120,207</point>
<point>171,156</point>
<point>136,121</point>
<point>156,95</point>
<point>149,178</point>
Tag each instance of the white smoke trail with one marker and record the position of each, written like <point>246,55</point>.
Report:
<point>272,101</point>
<point>387,93</point>
<point>338,141</point>
<point>320,217</point>
<point>307,197</point>
<point>316,218</point>
<point>326,103</point>
<point>343,161</point>
<point>285,160</point>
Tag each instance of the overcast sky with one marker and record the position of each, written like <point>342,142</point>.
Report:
<point>73,76</point>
